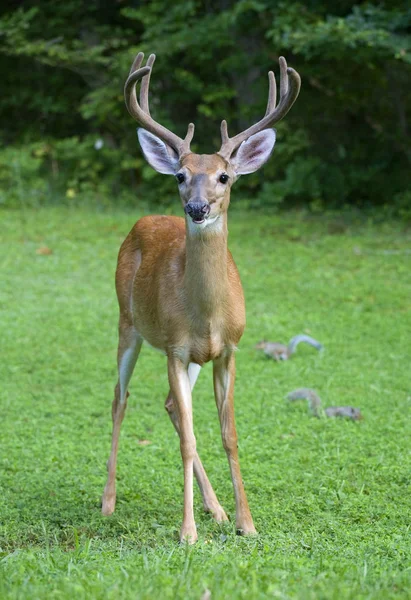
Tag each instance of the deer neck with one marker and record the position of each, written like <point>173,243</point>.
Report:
<point>206,272</point>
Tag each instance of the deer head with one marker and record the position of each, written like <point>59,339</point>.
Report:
<point>204,181</point>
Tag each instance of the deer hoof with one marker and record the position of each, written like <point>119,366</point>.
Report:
<point>188,535</point>
<point>218,514</point>
<point>108,505</point>
<point>246,530</point>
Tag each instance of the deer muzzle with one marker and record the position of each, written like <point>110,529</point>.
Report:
<point>198,210</point>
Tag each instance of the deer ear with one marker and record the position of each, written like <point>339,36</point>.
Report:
<point>254,152</point>
<point>158,155</point>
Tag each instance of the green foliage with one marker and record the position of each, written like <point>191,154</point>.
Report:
<point>330,498</point>
<point>346,141</point>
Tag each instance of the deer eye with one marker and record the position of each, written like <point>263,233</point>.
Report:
<point>223,178</point>
<point>180,177</point>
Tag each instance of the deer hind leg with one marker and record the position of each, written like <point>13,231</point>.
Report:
<point>128,350</point>
<point>210,501</point>
<point>224,376</point>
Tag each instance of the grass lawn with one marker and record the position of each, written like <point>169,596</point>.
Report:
<point>330,498</point>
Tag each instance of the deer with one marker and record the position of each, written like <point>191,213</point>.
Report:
<point>179,289</point>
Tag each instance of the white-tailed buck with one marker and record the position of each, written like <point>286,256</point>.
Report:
<point>178,287</point>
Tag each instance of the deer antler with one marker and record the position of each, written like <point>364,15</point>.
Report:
<point>141,112</point>
<point>289,90</point>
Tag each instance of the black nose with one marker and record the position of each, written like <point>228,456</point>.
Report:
<point>197,210</point>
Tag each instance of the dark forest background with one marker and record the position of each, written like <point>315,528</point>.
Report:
<point>66,135</point>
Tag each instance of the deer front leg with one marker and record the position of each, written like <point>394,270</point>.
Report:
<point>181,391</point>
<point>210,501</point>
<point>224,376</point>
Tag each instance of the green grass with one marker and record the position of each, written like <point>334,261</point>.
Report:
<point>330,498</point>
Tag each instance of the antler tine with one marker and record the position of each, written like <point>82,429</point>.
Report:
<point>130,90</point>
<point>137,62</point>
<point>272,93</point>
<point>185,148</point>
<point>224,132</point>
<point>142,113</point>
<point>283,77</point>
<point>289,89</point>
<point>145,84</point>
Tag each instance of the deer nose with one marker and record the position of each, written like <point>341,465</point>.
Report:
<point>198,210</point>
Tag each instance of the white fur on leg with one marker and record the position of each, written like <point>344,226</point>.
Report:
<point>193,372</point>
<point>127,363</point>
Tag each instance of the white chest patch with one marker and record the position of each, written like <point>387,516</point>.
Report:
<point>212,225</point>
